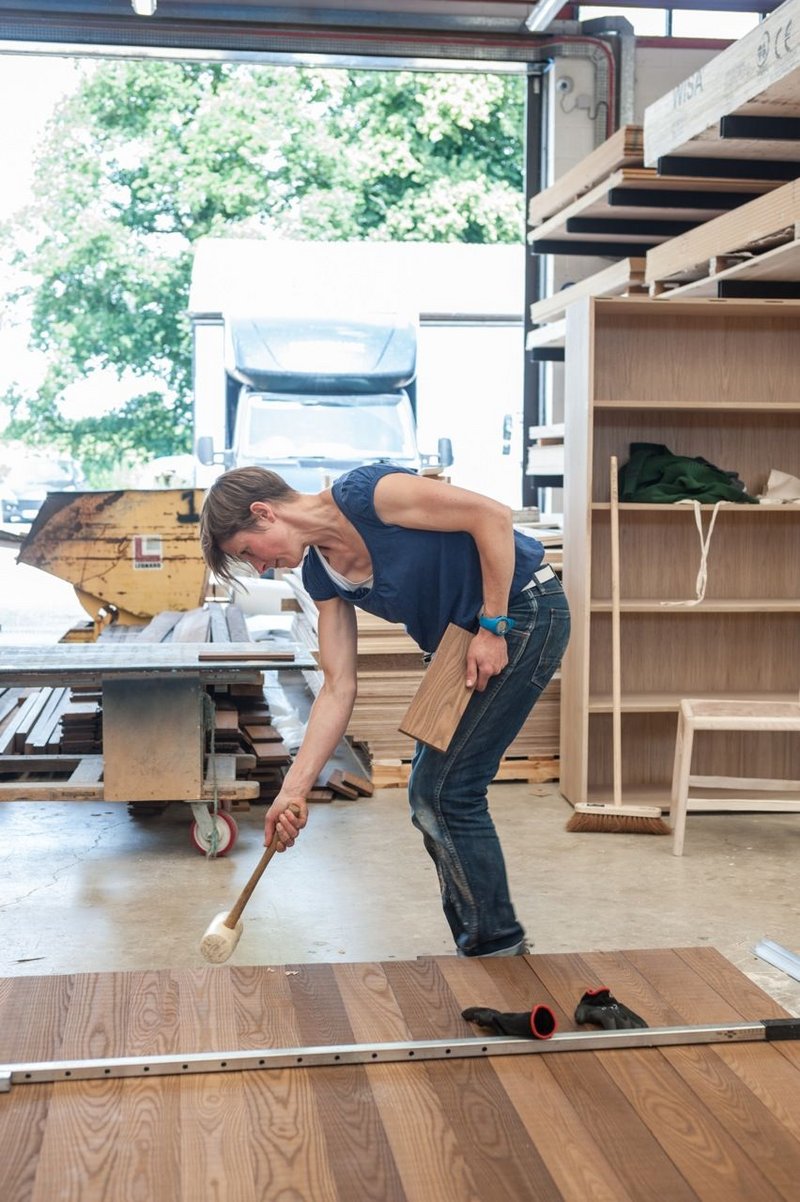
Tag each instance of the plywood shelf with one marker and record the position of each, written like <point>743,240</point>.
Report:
<point>705,378</point>
<point>673,606</point>
<point>789,405</point>
<point>668,703</point>
<point>680,507</point>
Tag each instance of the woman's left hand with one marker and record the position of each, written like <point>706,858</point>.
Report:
<point>486,657</point>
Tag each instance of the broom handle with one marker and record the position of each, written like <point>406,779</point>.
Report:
<point>616,664</point>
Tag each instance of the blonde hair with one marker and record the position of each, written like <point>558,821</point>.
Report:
<point>226,511</point>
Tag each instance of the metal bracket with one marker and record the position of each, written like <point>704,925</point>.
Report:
<point>386,1053</point>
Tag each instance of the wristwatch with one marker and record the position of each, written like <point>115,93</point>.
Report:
<point>499,625</point>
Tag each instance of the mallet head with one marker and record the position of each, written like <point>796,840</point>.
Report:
<point>219,942</point>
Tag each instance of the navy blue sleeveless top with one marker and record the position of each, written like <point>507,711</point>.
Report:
<point>422,578</point>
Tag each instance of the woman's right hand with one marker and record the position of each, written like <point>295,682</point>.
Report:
<point>287,816</point>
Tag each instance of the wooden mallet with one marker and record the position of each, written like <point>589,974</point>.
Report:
<point>225,930</point>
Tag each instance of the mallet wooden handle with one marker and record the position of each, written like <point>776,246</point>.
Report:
<point>244,897</point>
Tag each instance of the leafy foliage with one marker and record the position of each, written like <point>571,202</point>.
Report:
<point>147,157</point>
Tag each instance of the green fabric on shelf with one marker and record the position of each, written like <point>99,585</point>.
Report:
<point>654,474</point>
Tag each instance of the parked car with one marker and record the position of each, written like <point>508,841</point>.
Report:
<point>29,479</point>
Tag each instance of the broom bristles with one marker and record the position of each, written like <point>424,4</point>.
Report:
<point>608,820</point>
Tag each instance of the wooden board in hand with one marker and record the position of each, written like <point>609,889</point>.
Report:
<point>442,697</point>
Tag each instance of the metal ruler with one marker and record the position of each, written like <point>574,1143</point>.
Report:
<point>766,1030</point>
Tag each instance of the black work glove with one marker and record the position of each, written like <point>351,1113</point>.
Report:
<point>538,1023</point>
<point>601,1007</point>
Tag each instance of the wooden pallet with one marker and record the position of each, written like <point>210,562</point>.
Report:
<point>394,773</point>
<point>80,778</point>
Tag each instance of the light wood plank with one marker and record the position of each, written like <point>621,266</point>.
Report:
<point>756,75</point>
<point>442,696</point>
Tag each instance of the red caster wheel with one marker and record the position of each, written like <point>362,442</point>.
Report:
<point>227,832</point>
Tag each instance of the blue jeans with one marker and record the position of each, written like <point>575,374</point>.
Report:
<point>448,790</point>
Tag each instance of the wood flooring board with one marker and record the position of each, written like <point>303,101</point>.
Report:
<point>719,1123</point>
<point>81,1146</point>
<point>149,1163</point>
<point>576,1162</point>
<point>660,980</point>
<point>288,1146</point>
<point>21,1134</point>
<point>442,697</point>
<point>212,1110</point>
<point>502,1159</point>
<point>772,1149</point>
<point>359,1151</point>
<point>605,1107</point>
<point>33,1013</point>
<point>425,1146</point>
<point>705,1152</point>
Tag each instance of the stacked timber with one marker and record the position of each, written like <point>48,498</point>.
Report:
<point>390,670</point>
<point>612,209</point>
<point>67,720</point>
<point>622,216</point>
<point>738,115</point>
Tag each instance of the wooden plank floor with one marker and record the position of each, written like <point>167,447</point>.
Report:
<point>720,1123</point>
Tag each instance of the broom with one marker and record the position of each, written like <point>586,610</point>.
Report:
<point>613,817</point>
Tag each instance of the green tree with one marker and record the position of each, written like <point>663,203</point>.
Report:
<point>147,157</point>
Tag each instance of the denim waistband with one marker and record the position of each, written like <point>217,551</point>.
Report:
<point>544,574</point>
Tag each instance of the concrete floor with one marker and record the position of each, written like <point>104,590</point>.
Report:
<point>84,887</point>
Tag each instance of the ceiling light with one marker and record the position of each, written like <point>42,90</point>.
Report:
<point>144,8</point>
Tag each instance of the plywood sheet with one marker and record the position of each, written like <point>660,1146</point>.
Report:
<point>717,1123</point>
<point>759,75</point>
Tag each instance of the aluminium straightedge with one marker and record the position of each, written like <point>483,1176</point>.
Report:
<point>766,1030</point>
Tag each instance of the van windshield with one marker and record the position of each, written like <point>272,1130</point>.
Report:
<point>327,428</point>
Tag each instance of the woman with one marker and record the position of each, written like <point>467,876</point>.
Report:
<point>425,553</point>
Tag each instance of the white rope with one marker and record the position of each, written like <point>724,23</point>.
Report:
<point>705,543</point>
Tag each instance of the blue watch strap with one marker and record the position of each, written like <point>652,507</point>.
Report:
<point>499,625</point>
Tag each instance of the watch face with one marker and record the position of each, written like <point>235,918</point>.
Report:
<point>501,625</point>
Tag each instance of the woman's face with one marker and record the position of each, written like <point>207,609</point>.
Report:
<point>269,543</point>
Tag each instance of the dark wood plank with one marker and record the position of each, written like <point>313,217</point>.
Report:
<point>358,1150</point>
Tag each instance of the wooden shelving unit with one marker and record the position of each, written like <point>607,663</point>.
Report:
<point>709,378</point>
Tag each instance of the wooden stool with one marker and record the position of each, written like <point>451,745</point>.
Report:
<point>728,716</point>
